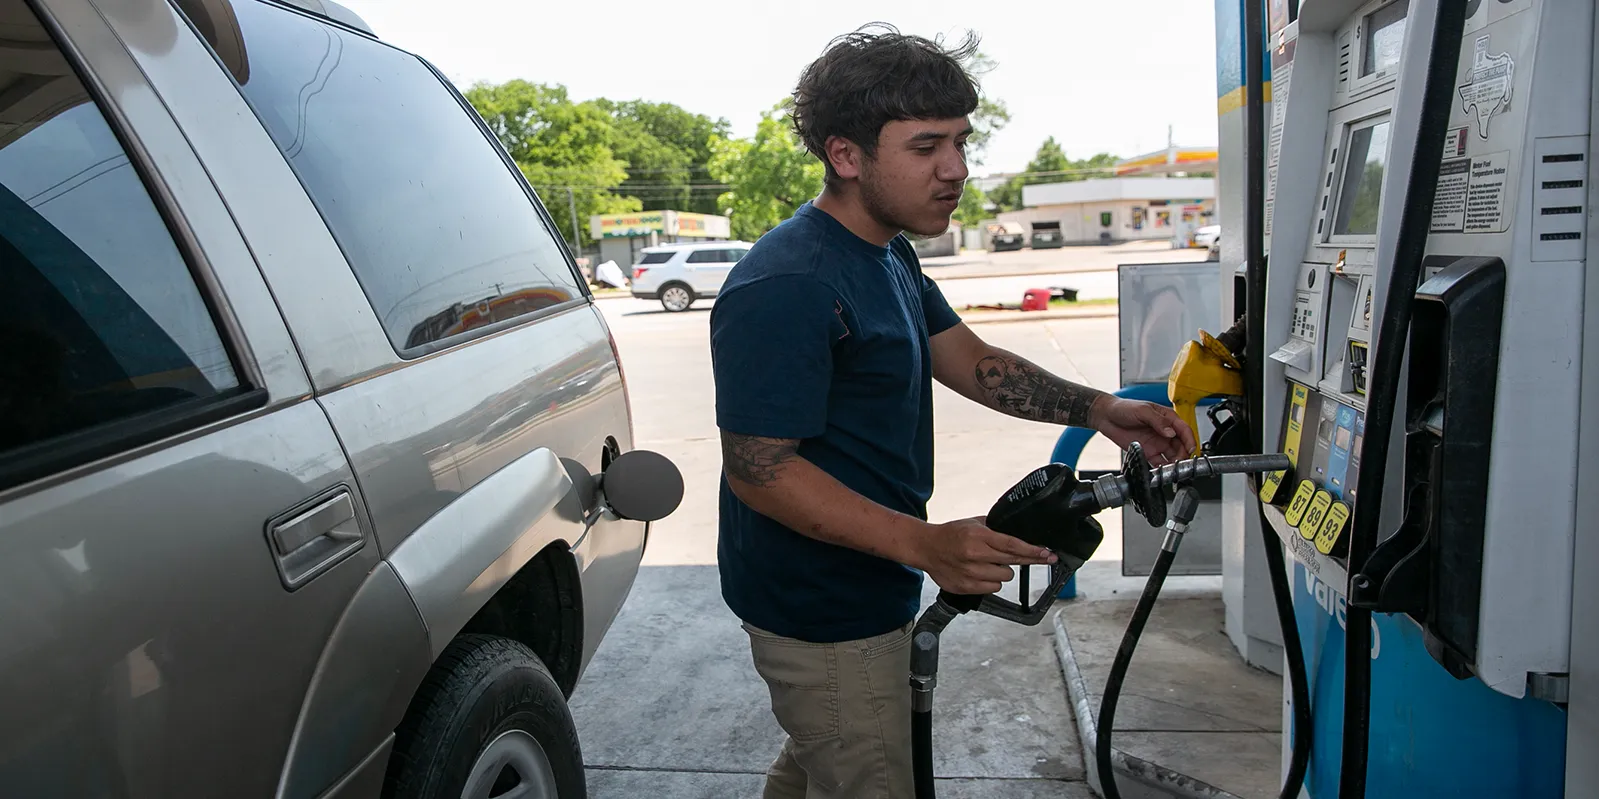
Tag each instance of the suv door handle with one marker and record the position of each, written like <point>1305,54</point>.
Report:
<point>311,540</point>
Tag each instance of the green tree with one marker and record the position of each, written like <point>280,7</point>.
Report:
<point>768,176</point>
<point>1050,165</point>
<point>991,115</point>
<point>668,150</point>
<point>564,149</point>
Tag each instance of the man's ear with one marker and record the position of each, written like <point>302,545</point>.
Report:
<point>845,157</point>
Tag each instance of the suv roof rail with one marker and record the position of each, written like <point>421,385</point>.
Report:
<point>329,10</point>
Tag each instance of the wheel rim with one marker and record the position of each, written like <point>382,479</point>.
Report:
<point>675,298</point>
<point>514,766</point>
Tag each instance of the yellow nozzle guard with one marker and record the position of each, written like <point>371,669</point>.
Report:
<point>1203,369</point>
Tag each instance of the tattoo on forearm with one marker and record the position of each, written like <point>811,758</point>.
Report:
<point>1023,390</point>
<point>755,460</point>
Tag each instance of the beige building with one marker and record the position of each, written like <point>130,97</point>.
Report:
<point>1107,210</point>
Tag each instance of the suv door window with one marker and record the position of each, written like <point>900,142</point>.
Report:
<point>105,338</point>
<point>443,236</point>
<point>705,257</point>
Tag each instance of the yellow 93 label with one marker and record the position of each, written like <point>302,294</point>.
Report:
<point>1300,502</point>
<point>1332,528</point>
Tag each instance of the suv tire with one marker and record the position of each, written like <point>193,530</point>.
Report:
<point>676,297</point>
<point>487,718</point>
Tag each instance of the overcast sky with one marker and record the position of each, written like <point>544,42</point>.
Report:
<point>1098,76</point>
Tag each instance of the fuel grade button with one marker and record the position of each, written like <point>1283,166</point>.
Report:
<point>1301,501</point>
<point>1315,514</point>
<point>1331,530</point>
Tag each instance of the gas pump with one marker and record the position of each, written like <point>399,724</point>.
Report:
<point>1425,215</point>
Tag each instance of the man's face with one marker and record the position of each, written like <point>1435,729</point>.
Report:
<point>914,181</point>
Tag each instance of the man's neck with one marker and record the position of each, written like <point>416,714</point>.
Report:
<point>852,214</point>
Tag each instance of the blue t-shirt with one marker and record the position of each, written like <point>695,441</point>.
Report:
<point>822,336</point>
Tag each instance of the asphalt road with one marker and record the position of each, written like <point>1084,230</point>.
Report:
<point>979,263</point>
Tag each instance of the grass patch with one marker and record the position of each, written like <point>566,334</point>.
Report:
<point>1067,304</point>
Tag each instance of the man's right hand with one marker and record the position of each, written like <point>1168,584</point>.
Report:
<point>966,557</point>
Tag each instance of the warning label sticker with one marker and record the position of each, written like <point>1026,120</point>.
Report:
<point>1471,194</point>
<point>1282,70</point>
<point>1487,90</point>
<point>1485,200</point>
<point>1449,204</point>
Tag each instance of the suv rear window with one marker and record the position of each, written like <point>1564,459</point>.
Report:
<point>441,232</point>
<point>655,258</point>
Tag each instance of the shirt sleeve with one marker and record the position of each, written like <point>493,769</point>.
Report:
<point>940,316</point>
<point>772,356</point>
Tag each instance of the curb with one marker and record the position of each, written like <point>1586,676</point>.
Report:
<point>1003,317</point>
<point>1147,779</point>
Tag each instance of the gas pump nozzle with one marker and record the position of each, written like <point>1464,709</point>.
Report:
<point>1209,367</point>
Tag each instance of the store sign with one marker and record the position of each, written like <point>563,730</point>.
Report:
<point>614,226</point>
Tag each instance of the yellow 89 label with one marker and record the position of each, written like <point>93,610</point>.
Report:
<point>1301,501</point>
<point>1315,514</point>
<point>1331,528</point>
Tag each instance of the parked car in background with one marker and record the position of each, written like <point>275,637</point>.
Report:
<point>302,407</point>
<point>679,274</point>
<point>1205,236</point>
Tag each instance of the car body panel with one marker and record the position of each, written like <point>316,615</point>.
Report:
<point>455,562</point>
<point>151,653</point>
<point>354,704</point>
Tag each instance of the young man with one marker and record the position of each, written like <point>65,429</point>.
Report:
<point>825,341</point>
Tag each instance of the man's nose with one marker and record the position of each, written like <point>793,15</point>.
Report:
<point>952,168</point>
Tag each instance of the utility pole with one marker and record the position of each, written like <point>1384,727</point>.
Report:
<point>577,235</point>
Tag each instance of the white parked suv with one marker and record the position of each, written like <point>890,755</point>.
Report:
<point>679,274</point>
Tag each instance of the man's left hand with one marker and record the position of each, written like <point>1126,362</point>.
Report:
<point>1156,428</point>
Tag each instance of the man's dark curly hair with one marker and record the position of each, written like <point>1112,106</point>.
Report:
<point>876,75</point>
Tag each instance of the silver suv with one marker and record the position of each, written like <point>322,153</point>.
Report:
<point>315,468</point>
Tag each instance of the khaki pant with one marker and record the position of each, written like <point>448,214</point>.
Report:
<point>847,710</point>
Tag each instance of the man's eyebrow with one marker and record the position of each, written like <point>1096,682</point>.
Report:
<point>933,135</point>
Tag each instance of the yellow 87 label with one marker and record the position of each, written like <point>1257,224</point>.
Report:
<point>1301,501</point>
<point>1315,514</point>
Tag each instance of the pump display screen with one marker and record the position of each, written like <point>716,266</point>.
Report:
<point>1360,190</point>
<point>1385,36</point>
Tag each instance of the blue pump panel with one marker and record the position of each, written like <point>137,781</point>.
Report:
<point>1431,735</point>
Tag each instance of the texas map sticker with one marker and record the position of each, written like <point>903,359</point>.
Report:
<point>1486,91</point>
